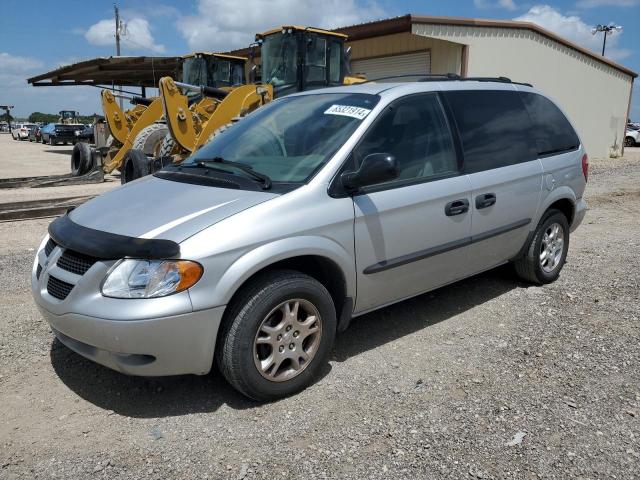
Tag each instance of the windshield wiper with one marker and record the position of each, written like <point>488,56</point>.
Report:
<point>260,177</point>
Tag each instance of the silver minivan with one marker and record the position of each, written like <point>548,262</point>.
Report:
<point>314,209</point>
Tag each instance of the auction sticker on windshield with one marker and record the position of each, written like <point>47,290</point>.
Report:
<point>347,111</point>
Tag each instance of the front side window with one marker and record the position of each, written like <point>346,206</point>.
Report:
<point>194,71</point>
<point>494,127</point>
<point>279,53</point>
<point>237,74</point>
<point>414,131</point>
<point>551,131</point>
<point>289,139</point>
<point>221,72</point>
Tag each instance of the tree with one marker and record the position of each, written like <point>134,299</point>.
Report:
<point>43,117</point>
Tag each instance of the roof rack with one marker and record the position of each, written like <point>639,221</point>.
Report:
<point>423,77</point>
<point>440,77</point>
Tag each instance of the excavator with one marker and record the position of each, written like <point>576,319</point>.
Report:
<point>294,59</point>
<point>142,127</point>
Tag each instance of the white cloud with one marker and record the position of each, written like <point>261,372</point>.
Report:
<point>606,3</point>
<point>223,25</point>
<point>487,4</point>
<point>137,35</point>
<point>575,29</point>
<point>11,63</point>
<point>14,71</point>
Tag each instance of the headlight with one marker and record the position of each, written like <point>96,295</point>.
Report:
<point>150,278</point>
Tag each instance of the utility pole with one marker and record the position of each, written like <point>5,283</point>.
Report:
<point>115,8</point>
<point>608,30</point>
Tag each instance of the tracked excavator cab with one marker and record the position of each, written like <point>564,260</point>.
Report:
<point>296,59</point>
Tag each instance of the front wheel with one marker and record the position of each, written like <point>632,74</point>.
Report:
<point>547,250</point>
<point>277,335</point>
<point>135,164</point>
<point>629,142</point>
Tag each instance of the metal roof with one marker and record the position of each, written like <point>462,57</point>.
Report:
<point>404,23</point>
<point>389,26</point>
<point>124,71</point>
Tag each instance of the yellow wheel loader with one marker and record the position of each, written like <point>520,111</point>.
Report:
<point>217,73</point>
<point>294,59</point>
<point>142,127</point>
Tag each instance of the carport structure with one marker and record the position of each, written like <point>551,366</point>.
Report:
<point>111,71</point>
<point>593,90</point>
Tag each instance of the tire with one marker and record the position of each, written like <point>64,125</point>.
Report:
<point>150,138</point>
<point>135,164</point>
<point>237,351</point>
<point>81,159</point>
<point>219,130</point>
<point>166,148</point>
<point>629,142</point>
<point>531,267</point>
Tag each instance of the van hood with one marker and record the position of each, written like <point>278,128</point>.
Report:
<point>155,208</point>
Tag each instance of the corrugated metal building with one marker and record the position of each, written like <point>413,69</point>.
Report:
<point>594,91</point>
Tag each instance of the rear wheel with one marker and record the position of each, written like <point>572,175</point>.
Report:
<point>150,139</point>
<point>277,335</point>
<point>629,142</point>
<point>546,252</point>
<point>134,165</point>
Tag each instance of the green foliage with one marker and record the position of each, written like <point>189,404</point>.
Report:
<point>43,117</point>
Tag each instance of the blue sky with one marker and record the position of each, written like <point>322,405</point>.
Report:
<point>39,35</point>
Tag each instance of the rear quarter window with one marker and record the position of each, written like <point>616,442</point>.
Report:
<point>551,130</point>
<point>494,128</point>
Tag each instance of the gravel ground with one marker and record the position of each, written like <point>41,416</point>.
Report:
<point>487,378</point>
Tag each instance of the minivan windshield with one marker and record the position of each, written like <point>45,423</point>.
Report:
<point>289,139</point>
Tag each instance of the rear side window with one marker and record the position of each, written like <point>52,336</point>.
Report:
<point>494,128</point>
<point>551,131</point>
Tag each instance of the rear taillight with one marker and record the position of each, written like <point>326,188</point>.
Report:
<point>585,166</point>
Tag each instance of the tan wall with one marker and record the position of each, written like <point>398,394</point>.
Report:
<point>445,56</point>
<point>594,95</point>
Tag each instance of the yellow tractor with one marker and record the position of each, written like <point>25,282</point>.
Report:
<point>213,72</point>
<point>142,127</point>
<point>294,59</point>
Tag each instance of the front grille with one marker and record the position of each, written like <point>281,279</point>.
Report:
<point>38,272</point>
<point>57,288</point>
<point>50,245</point>
<point>75,262</point>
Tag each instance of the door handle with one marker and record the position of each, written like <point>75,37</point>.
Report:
<point>457,207</point>
<point>485,200</point>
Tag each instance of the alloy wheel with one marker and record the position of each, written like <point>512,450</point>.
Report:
<point>551,247</point>
<point>287,340</point>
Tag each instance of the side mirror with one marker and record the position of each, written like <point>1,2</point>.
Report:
<point>375,168</point>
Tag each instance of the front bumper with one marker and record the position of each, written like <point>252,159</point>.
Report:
<point>159,336</point>
<point>172,345</point>
<point>578,217</point>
